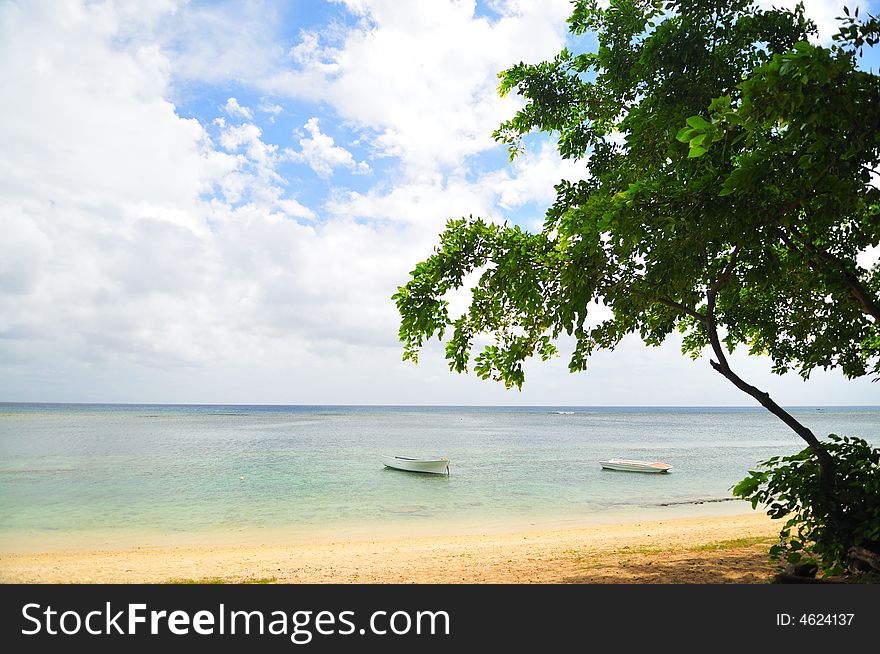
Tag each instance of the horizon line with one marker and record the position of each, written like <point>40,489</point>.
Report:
<point>493,406</point>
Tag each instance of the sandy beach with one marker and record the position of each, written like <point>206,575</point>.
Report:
<point>703,549</point>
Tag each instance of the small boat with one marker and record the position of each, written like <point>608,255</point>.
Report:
<point>437,466</point>
<point>630,465</point>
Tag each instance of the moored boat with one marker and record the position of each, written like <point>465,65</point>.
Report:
<point>439,466</point>
<point>631,465</point>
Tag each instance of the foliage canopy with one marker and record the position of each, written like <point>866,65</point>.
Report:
<point>731,190</point>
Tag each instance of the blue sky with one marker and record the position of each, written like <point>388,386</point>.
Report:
<point>215,201</point>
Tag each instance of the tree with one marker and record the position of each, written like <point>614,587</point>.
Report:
<point>732,189</point>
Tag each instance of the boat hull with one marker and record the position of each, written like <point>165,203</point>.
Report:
<point>431,466</point>
<point>629,465</point>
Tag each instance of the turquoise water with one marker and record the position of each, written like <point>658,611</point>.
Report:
<point>76,470</point>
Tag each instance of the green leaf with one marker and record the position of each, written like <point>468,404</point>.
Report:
<point>697,122</point>
<point>698,140</point>
<point>685,134</point>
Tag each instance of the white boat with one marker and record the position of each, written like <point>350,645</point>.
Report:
<point>437,466</point>
<point>630,465</point>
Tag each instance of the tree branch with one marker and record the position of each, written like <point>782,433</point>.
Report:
<point>724,277</point>
<point>722,366</point>
<point>861,295</point>
<point>672,304</point>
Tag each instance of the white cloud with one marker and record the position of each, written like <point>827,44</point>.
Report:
<point>312,56</point>
<point>237,111</point>
<point>823,12</point>
<point>322,155</point>
<point>24,251</point>
<point>294,209</point>
<point>269,108</point>
<point>246,138</point>
<point>113,259</point>
<point>66,126</point>
<point>426,204</point>
<point>532,176</point>
<point>422,76</point>
<point>111,252</point>
<point>220,41</point>
<point>150,257</point>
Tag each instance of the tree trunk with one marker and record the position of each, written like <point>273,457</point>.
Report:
<point>866,558</point>
<point>826,461</point>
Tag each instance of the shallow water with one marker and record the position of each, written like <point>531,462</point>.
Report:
<point>71,471</point>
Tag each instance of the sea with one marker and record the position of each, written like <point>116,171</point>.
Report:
<point>109,475</point>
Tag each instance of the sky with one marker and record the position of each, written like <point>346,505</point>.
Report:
<point>213,202</point>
